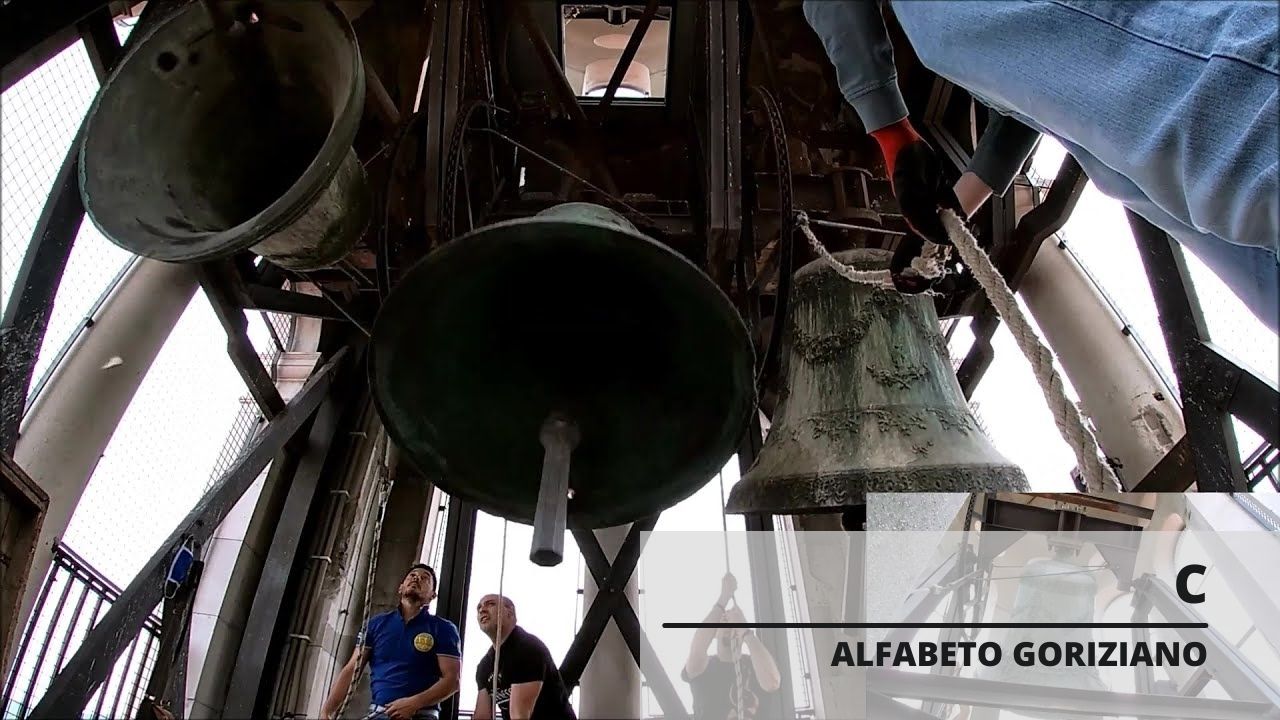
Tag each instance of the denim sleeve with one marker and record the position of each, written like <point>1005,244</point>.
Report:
<point>1004,148</point>
<point>857,42</point>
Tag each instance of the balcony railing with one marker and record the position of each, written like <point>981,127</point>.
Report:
<point>73,599</point>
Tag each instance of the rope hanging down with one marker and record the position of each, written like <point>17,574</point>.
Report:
<point>1098,475</point>
<point>737,651</point>
<point>384,493</point>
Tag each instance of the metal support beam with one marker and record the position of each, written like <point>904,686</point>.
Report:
<point>440,102</point>
<point>1042,221</point>
<point>1207,382</point>
<point>85,671</point>
<point>611,602</point>
<point>629,52</point>
<point>253,674</point>
<point>38,30</point>
<point>221,283</point>
<point>169,674</point>
<point>455,577</point>
<point>1222,660</point>
<point>27,316</point>
<point>590,142</point>
<point>33,31</point>
<point>980,354</point>
<point>275,300</point>
<point>100,42</point>
<point>612,582</point>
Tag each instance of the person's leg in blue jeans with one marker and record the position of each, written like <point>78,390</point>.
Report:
<point>1170,107</point>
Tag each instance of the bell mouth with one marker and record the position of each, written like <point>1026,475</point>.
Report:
<point>184,161</point>
<point>807,493</point>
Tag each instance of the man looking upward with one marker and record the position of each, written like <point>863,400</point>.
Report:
<point>413,656</point>
<point>528,685</point>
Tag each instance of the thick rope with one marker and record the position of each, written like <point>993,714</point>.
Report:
<point>928,265</point>
<point>724,523</point>
<point>737,651</point>
<point>1098,475</point>
<point>384,493</point>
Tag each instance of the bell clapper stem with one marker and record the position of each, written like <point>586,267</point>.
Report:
<point>559,436</point>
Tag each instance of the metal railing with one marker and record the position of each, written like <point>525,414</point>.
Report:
<point>74,598</point>
<point>1263,464</point>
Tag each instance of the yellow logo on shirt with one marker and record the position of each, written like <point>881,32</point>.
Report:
<point>423,642</point>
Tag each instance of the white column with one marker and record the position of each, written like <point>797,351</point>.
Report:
<point>69,426</point>
<point>1135,415</point>
<point>610,686</point>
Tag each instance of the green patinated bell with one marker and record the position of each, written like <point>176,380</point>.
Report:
<point>202,144</point>
<point>569,315</point>
<point>1050,590</point>
<point>869,403</point>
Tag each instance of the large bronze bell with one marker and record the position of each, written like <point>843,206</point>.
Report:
<point>564,354</point>
<point>203,143</point>
<point>869,403</point>
<point>1051,591</point>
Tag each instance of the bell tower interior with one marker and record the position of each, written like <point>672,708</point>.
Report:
<point>513,287</point>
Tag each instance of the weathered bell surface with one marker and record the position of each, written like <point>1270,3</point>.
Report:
<point>1051,590</point>
<point>869,403</point>
<point>201,144</point>
<point>568,319</point>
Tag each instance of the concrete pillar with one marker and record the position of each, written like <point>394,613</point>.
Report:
<point>69,426</point>
<point>610,686</point>
<point>1136,417</point>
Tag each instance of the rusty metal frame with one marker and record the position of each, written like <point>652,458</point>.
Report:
<point>1214,387</point>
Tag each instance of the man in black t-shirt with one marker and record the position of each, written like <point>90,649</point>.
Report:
<point>719,691</point>
<point>528,685</point>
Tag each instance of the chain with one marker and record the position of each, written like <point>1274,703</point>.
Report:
<point>786,234</point>
<point>782,156</point>
<point>453,169</point>
<point>384,492</point>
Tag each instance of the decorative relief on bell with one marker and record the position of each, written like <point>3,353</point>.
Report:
<point>868,403</point>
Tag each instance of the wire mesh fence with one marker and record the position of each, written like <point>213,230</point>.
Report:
<point>40,117</point>
<point>72,600</point>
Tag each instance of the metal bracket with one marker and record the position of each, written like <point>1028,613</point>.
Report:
<point>225,289</point>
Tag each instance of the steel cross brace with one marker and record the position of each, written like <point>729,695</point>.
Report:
<point>89,667</point>
<point>611,602</point>
<point>225,289</point>
<point>1210,384</point>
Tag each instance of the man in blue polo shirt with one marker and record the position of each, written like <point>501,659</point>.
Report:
<point>413,656</point>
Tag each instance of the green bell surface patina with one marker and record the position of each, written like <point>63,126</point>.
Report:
<point>869,403</point>
<point>203,143</point>
<point>571,313</point>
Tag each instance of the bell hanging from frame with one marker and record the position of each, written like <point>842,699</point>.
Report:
<point>869,403</point>
<point>563,369</point>
<point>1051,591</point>
<point>205,142</point>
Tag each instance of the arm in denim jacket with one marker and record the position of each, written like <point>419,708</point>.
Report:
<point>857,42</point>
